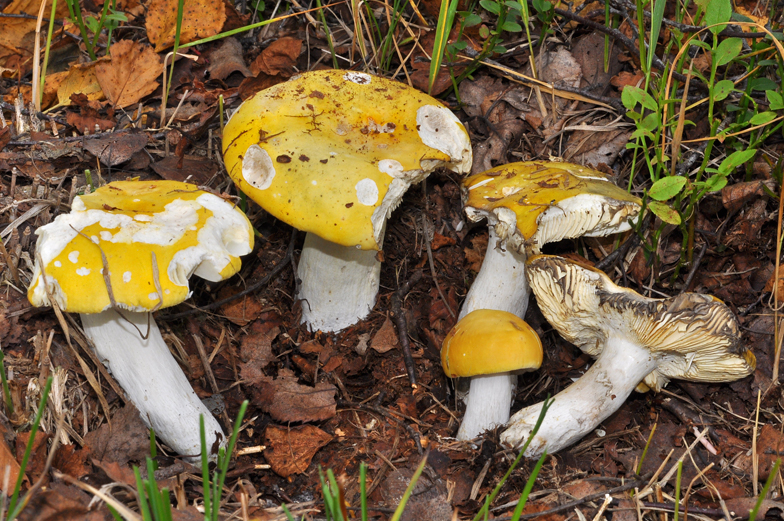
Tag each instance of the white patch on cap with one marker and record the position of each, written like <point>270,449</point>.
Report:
<point>83,271</point>
<point>78,205</point>
<point>510,190</point>
<point>481,183</point>
<point>391,167</point>
<point>137,200</point>
<point>360,78</point>
<point>94,238</point>
<point>73,257</point>
<point>58,264</point>
<point>127,277</point>
<point>314,183</point>
<point>367,192</point>
<point>106,236</point>
<point>257,167</point>
<point>142,218</point>
<point>153,296</point>
<point>439,128</point>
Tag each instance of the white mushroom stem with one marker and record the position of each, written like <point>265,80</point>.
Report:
<point>501,282</point>
<point>582,406</point>
<point>152,380</point>
<point>501,285</point>
<point>338,284</point>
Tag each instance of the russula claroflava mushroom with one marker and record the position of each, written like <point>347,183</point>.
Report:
<point>332,153</point>
<point>691,336</point>
<point>527,205</point>
<point>126,250</point>
<point>488,343</point>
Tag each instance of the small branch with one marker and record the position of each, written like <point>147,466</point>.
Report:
<point>402,328</point>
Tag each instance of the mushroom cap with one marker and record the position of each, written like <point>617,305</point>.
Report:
<point>332,152</point>
<point>692,336</point>
<point>535,202</point>
<point>185,230</point>
<point>487,341</point>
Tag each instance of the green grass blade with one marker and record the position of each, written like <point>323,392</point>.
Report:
<point>363,490</point>
<point>28,449</point>
<point>645,450</point>
<point>46,53</point>
<point>446,18</point>
<point>144,507</point>
<point>9,403</point>
<point>764,492</point>
<point>178,31</point>
<point>409,489</point>
<point>328,34</point>
<point>205,471</point>
<point>529,485</point>
<point>657,15</point>
<point>678,490</point>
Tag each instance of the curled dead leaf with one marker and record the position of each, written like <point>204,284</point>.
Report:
<point>130,73</point>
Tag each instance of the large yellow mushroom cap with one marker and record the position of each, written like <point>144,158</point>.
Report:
<point>542,201</point>
<point>332,152</point>
<point>153,234</point>
<point>488,341</point>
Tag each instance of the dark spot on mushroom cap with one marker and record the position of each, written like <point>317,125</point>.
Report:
<point>349,205</point>
<point>323,161</point>
<point>283,159</point>
<point>303,158</point>
<point>317,94</point>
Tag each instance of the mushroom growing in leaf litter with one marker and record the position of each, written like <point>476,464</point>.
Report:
<point>332,153</point>
<point>125,251</point>
<point>690,336</point>
<point>527,205</point>
<point>488,343</point>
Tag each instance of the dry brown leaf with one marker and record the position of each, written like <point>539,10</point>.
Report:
<point>114,149</point>
<point>290,450</point>
<point>287,401</point>
<point>225,59</point>
<point>279,58</point>
<point>130,74</point>
<point>17,36</point>
<point>200,19</point>
<point>386,338</point>
<point>622,79</point>
<point>80,79</point>
<point>241,311</point>
<point>7,459</point>
<point>256,350</point>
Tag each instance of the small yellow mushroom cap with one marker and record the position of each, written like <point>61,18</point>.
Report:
<point>332,152</point>
<point>153,234</point>
<point>549,201</point>
<point>488,341</point>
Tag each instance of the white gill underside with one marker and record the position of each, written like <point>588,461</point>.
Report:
<point>501,285</point>
<point>338,284</point>
<point>582,406</point>
<point>152,380</point>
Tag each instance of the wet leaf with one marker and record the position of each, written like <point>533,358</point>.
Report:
<point>114,149</point>
<point>286,400</point>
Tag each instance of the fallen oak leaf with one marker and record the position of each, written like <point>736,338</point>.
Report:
<point>200,19</point>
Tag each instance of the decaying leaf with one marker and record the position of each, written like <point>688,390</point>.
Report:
<point>130,73</point>
<point>81,79</point>
<point>114,149</point>
<point>290,450</point>
<point>200,19</point>
<point>385,338</point>
<point>17,37</point>
<point>287,401</point>
<point>7,459</point>
<point>279,58</point>
<point>225,59</point>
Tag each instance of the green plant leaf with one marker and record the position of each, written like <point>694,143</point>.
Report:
<point>736,159</point>
<point>491,6</point>
<point>666,188</point>
<point>715,183</point>
<point>762,118</point>
<point>728,50</point>
<point>722,89</point>
<point>512,27</point>
<point>718,12</point>
<point>650,122</point>
<point>762,84</point>
<point>484,32</point>
<point>472,19</point>
<point>775,100</point>
<point>664,212</point>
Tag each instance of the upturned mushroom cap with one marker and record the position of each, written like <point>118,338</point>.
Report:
<point>332,152</point>
<point>487,341</point>
<point>536,202</point>
<point>154,235</point>
<point>692,336</point>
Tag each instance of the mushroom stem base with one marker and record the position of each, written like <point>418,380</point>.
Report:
<point>582,406</point>
<point>152,380</point>
<point>501,282</point>
<point>487,404</point>
<point>338,285</point>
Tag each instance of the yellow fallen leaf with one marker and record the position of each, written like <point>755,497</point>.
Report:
<point>200,19</point>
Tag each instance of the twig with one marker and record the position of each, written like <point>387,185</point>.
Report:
<point>402,328</point>
<point>631,242</point>
<point>250,289</point>
<point>693,270</point>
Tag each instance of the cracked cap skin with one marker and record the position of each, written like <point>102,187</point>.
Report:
<point>532,203</point>
<point>332,152</point>
<point>693,336</point>
<point>154,234</point>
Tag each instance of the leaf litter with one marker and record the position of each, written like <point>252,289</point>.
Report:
<point>338,400</point>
